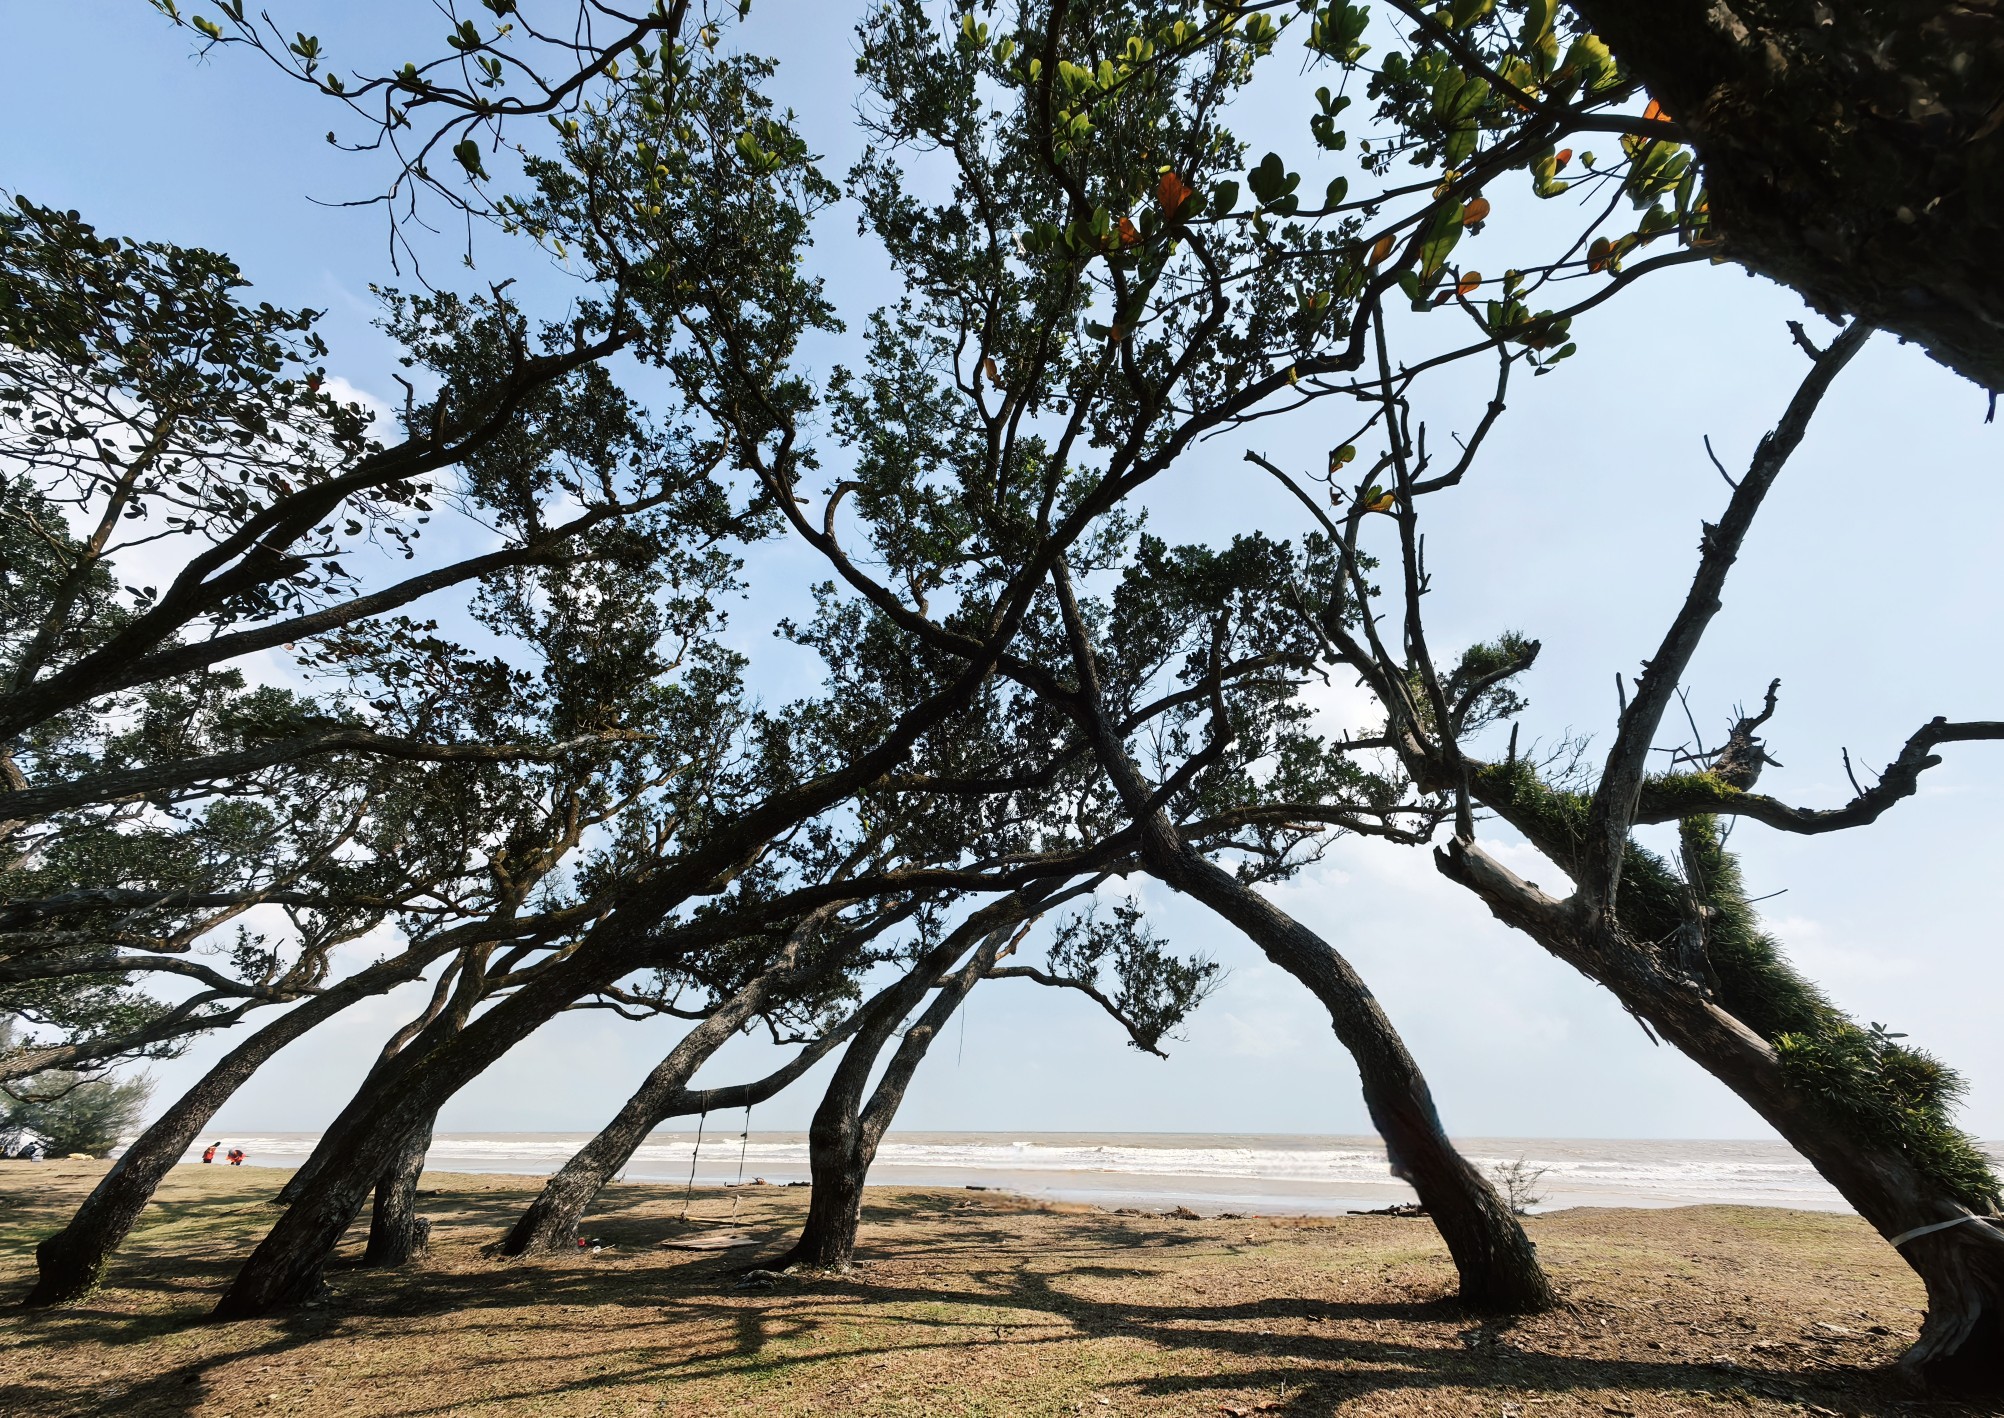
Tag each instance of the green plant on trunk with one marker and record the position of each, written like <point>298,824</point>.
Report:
<point>1889,1092</point>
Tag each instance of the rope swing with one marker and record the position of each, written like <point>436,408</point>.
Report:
<point>744,1142</point>
<point>691,1190</point>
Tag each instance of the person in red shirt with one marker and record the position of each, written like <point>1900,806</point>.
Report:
<point>209,1152</point>
<point>236,1157</point>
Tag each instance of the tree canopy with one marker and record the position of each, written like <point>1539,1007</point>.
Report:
<point>285,679</point>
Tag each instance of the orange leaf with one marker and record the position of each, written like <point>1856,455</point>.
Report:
<point>1469,283</point>
<point>1128,235</point>
<point>1475,211</point>
<point>1656,111</point>
<point>1382,504</point>
<point>1561,158</point>
<point>1382,249</point>
<point>1599,254</point>
<point>1172,192</point>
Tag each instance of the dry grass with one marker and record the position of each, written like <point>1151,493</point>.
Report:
<point>963,1303</point>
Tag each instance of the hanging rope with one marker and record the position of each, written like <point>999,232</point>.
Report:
<point>703,1118</point>
<point>744,1142</point>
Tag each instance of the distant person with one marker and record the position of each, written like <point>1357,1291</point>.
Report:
<point>236,1157</point>
<point>209,1152</point>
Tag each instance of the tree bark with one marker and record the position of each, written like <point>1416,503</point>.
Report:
<point>1961,1342</point>
<point>1852,152</point>
<point>551,1222</point>
<point>325,1150</point>
<point>452,1001</point>
<point>843,1138</point>
<point>72,1261</point>
<point>287,1266</point>
<point>397,1234</point>
<point>1496,1262</point>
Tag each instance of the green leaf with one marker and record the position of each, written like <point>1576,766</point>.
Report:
<point>1590,62</point>
<point>1273,185</point>
<point>1441,235</point>
<point>468,153</point>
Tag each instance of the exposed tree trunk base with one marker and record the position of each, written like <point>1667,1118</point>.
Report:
<point>71,1266</point>
<point>551,1222</point>
<point>71,1263</point>
<point>1961,1345</point>
<point>834,1219</point>
<point>1497,1264</point>
<point>397,1234</point>
<point>842,1139</point>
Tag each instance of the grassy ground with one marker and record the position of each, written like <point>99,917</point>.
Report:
<point>962,1303</point>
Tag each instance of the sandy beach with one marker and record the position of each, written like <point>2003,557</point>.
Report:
<point>1272,1175</point>
<point>962,1303</point>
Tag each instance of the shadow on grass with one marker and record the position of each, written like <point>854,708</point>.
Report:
<point>681,1317</point>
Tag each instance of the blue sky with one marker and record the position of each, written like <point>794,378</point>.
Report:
<point>1870,587</point>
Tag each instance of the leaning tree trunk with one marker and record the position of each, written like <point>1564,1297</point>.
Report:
<point>302,1176</point>
<point>551,1222</point>
<point>835,1205</point>
<point>1496,1262</point>
<point>330,1150</point>
<point>397,1234</point>
<point>433,1018</point>
<point>287,1266</point>
<point>1961,1342</point>
<point>1853,152</point>
<point>843,1138</point>
<point>72,1261</point>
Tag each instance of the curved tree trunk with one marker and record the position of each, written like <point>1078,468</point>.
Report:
<point>551,1222</point>
<point>397,1234</point>
<point>327,1149</point>
<point>385,1066</point>
<point>286,1268</point>
<point>835,1207</point>
<point>1497,1264</point>
<point>287,1265</point>
<point>842,1141</point>
<point>1853,152</point>
<point>72,1261</point>
<point>1961,1342</point>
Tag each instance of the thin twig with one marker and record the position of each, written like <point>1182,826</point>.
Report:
<point>1720,466</point>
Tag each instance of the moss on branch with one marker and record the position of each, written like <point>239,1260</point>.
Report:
<point>1881,1090</point>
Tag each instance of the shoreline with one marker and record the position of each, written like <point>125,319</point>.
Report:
<point>1267,1174</point>
<point>961,1302</point>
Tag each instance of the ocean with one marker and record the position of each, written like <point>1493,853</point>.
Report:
<point>1208,1172</point>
